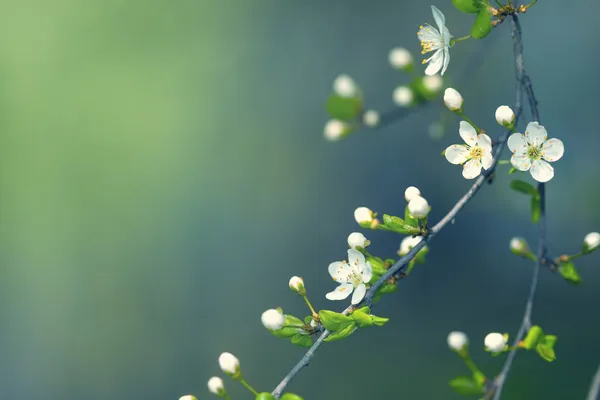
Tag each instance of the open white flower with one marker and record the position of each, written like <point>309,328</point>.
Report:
<point>495,342</point>
<point>457,340</point>
<point>437,40</point>
<point>273,320</point>
<point>533,153</point>
<point>215,386</point>
<point>476,154</point>
<point>352,276</point>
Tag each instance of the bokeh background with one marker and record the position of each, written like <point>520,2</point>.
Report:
<point>164,174</point>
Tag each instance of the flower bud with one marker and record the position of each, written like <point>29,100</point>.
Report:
<point>215,386</point>
<point>363,215</point>
<point>230,365</point>
<point>335,130</point>
<point>408,243</point>
<point>453,100</point>
<point>591,242</point>
<point>357,240</point>
<point>344,86</point>
<point>297,285</point>
<point>403,96</point>
<point>188,397</point>
<point>400,58</point>
<point>433,83</point>
<point>411,192</point>
<point>371,118</point>
<point>273,320</point>
<point>418,207</point>
<point>314,323</point>
<point>505,116</point>
<point>495,342</point>
<point>518,246</point>
<point>457,340</point>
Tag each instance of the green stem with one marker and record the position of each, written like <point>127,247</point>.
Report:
<point>530,4</point>
<point>462,114</point>
<point>314,313</point>
<point>461,39</point>
<point>574,256</point>
<point>471,365</point>
<point>247,386</point>
<point>226,397</point>
<point>503,162</point>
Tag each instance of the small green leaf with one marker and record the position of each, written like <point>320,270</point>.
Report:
<point>388,288</point>
<point>523,187</point>
<point>550,341</point>
<point>285,332</point>
<point>265,396</point>
<point>334,321</point>
<point>397,224</point>
<point>512,170</point>
<point>482,24</point>
<point>468,6</point>
<point>569,272</point>
<point>301,340</point>
<point>546,352</point>
<point>534,336</point>
<point>290,396</point>
<point>291,320</point>
<point>308,319</point>
<point>377,266</point>
<point>379,321</point>
<point>466,386</point>
<point>342,333</point>
<point>343,108</point>
<point>409,219</point>
<point>536,208</point>
<point>362,320</point>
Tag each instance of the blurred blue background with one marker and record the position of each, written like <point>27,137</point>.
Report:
<point>164,174</point>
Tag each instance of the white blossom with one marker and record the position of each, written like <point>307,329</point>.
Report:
<point>533,152</point>
<point>475,154</point>
<point>272,319</point>
<point>457,340</point>
<point>591,241</point>
<point>518,246</point>
<point>418,207</point>
<point>433,83</point>
<point>403,96</point>
<point>215,385</point>
<point>335,130</point>
<point>495,342</point>
<point>400,58</point>
<point>408,243</point>
<point>229,363</point>
<point>371,118</point>
<point>297,285</point>
<point>452,99</point>
<point>188,397</point>
<point>505,116</point>
<point>363,215</point>
<point>411,192</point>
<point>436,40</point>
<point>344,86</point>
<point>352,276</point>
<point>357,239</point>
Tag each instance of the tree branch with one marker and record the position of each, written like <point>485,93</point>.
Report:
<point>595,386</point>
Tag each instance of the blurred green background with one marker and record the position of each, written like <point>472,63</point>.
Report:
<point>164,174</point>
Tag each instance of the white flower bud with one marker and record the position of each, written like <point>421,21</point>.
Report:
<point>400,58</point>
<point>495,342</point>
<point>453,100</point>
<point>314,323</point>
<point>188,397</point>
<point>408,243</point>
<point>363,215</point>
<point>505,116</point>
<point>403,96</point>
<point>335,130</point>
<point>357,239</point>
<point>518,246</point>
<point>229,363</point>
<point>411,192</point>
<point>457,340</point>
<point>297,285</point>
<point>273,320</point>
<point>591,241</point>
<point>215,386</point>
<point>433,83</point>
<point>344,86</point>
<point>371,118</point>
<point>418,207</point>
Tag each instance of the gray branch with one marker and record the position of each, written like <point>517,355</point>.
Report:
<point>595,386</point>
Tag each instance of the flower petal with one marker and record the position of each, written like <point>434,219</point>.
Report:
<point>553,150</point>
<point>487,159</point>
<point>456,154</point>
<point>339,271</point>
<point>520,161</point>
<point>435,63</point>
<point>446,60</point>
<point>367,272</point>
<point>359,293</point>
<point>536,134</point>
<point>447,37</point>
<point>484,142</point>
<point>429,34</point>
<point>517,143</point>
<point>340,292</point>
<point>468,133</point>
<point>440,20</point>
<point>541,171</point>
<point>356,260</point>
<point>472,169</point>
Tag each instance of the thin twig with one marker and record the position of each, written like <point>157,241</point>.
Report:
<point>595,386</point>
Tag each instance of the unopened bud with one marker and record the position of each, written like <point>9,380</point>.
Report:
<point>215,386</point>
<point>519,246</point>
<point>230,365</point>
<point>505,116</point>
<point>297,285</point>
<point>453,100</point>
<point>591,242</point>
<point>418,207</point>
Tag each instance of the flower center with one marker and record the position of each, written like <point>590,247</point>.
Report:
<point>476,152</point>
<point>534,152</point>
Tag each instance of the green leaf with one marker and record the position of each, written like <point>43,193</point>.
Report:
<point>512,170</point>
<point>379,321</point>
<point>290,396</point>
<point>334,321</point>
<point>343,108</point>
<point>546,352</point>
<point>388,288</point>
<point>523,187</point>
<point>482,24</point>
<point>569,272</point>
<point>409,219</point>
<point>534,336</point>
<point>397,224</point>
<point>466,386</point>
<point>265,396</point>
<point>342,333</point>
<point>377,266</point>
<point>421,91</point>
<point>308,319</point>
<point>550,341</point>
<point>301,340</point>
<point>291,320</point>
<point>468,6</point>
<point>285,332</point>
<point>362,320</point>
<point>536,208</point>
